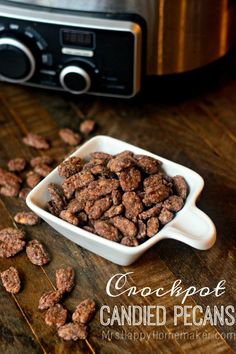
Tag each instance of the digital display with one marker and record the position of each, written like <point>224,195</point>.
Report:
<point>77,38</point>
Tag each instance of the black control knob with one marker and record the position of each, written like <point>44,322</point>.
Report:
<point>17,63</point>
<point>75,79</point>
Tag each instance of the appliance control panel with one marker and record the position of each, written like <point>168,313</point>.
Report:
<point>70,52</point>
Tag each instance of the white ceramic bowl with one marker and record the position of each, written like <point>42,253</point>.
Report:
<point>190,225</point>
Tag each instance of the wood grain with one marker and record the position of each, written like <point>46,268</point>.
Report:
<point>199,133</point>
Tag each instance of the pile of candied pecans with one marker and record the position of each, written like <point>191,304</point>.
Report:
<point>125,198</point>
<point>12,241</point>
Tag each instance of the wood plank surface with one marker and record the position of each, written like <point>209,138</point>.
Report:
<point>197,132</point>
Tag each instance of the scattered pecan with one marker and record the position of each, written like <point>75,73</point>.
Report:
<point>87,126</point>
<point>9,179</point>
<point>65,279</point>
<point>10,191</point>
<point>49,299</point>
<point>69,136</point>
<point>36,141</point>
<point>37,253</point>
<point>56,316</point>
<point>32,179</point>
<point>11,280</point>
<point>11,247</point>
<point>73,331</point>
<point>17,164</point>
<point>24,193</point>
<point>39,160</point>
<point>84,311</point>
<point>70,167</point>
<point>27,218</point>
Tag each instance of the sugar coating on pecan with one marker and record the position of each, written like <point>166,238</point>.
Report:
<point>173,203</point>
<point>65,279</point>
<point>79,180</point>
<point>10,233</point>
<point>11,247</point>
<point>69,217</point>
<point>84,311</point>
<point>181,186</point>
<point>37,253</point>
<point>42,169</point>
<point>98,208</point>
<point>152,226</point>
<point>126,226</point>
<point>10,191</point>
<point>154,211</point>
<point>119,163</point>
<point>73,331</point>
<point>106,230</point>
<point>130,179</point>
<point>165,216</point>
<point>114,210</point>
<point>87,126</point>
<point>148,164</point>
<point>36,141</point>
<point>129,241</point>
<point>11,280</point>
<point>56,316</point>
<point>70,167</point>
<point>39,160</point>
<point>133,205</point>
<point>57,196</point>
<point>32,179</point>
<point>49,299</point>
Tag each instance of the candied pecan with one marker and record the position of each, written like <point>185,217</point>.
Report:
<point>173,203</point>
<point>32,179</point>
<point>119,163</point>
<point>165,216</point>
<point>84,311</point>
<point>9,233</point>
<point>73,331</point>
<point>148,164</point>
<point>97,209</point>
<point>75,206</point>
<point>37,253</point>
<point>83,218</point>
<point>70,167</point>
<point>152,226</point>
<point>125,153</point>
<point>99,188</point>
<point>9,178</point>
<point>17,164</point>
<point>114,211</point>
<point>142,230</point>
<point>126,227</point>
<point>10,191</point>
<point>133,205</point>
<point>57,196</point>
<point>65,279</point>
<point>79,180</point>
<point>39,160</point>
<point>89,228</point>
<point>69,217</point>
<point>27,218</point>
<point>94,163</point>
<point>11,247</point>
<point>49,299</point>
<point>106,230</point>
<point>100,155</point>
<point>130,179</point>
<point>153,181</point>
<point>42,170</point>
<point>156,195</point>
<point>154,211</point>
<point>11,280</point>
<point>36,141</point>
<point>129,241</point>
<point>56,316</point>
<point>87,126</point>
<point>101,170</point>
<point>69,136</point>
<point>53,208</point>
<point>24,193</point>
<point>180,186</point>
<point>116,197</point>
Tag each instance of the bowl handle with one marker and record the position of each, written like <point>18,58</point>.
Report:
<point>194,228</point>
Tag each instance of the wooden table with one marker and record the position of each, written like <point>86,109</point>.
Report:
<point>199,132</point>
